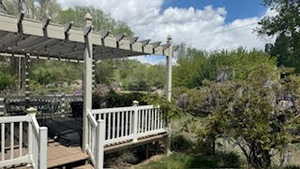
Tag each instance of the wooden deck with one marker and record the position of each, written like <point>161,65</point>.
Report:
<point>59,155</point>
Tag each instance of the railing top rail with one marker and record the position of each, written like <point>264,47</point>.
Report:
<point>147,107</point>
<point>15,119</point>
<point>109,110</point>
<point>120,109</point>
<point>35,124</point>
<point>92,119</point>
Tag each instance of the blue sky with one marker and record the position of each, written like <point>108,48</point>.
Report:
<point>236,9</point>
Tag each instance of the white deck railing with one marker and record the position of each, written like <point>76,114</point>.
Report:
<point>23,142</point>
<point>130,123</point>
<point>95,147</point>
<point>116,125</point>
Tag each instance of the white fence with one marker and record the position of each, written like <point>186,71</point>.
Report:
<point>116,125</point>
<point>23,141</point>
<point>130,123</point>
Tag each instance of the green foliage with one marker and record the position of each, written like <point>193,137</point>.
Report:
<point>113,99</point>
<point>40,9</point>
<point>184,161</point>
<point>170,109</point>
<point>101,21</point>
<point>288,167</point>
<point>130,74</point>
<point>285,25</point>
<point>180,143</point>
<point>36,9</point>
<point>197,66</point>
<point>190,68</point>
<point>47,72</point>
<point>250,111</point>
<point>6,80</point>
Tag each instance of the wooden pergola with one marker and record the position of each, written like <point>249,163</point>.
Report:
<point>27,38</point>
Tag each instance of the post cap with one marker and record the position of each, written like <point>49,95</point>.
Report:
<point>31,110</point>
<point>88,16</point>
<point>135,102</point>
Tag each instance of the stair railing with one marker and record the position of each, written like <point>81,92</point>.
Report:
<point>23,141</point>
<point>96,138</point>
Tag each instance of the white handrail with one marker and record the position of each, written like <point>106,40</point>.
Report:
<point>131,123</point>
<point>36,144</point>
<point>96,137</point>
<point>39,141</point>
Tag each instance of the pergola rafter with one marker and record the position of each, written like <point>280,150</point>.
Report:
<point>22,35</point>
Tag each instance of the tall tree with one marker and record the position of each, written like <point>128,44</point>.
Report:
<point>101,21</point>
<point>36,9</point>
<point>285,25</point>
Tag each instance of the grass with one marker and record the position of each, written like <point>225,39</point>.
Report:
<point>184,161</point>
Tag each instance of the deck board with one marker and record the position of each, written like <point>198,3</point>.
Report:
<point>59,155</point>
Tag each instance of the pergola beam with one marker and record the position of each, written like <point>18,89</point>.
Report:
<point>43,57</point>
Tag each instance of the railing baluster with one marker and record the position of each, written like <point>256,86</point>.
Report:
<point>135,122</point>
<point>138,121</point>
<point>12,140</point>
<point>147,120</point>
<point>157,118</point>
<point>130,123</point>
<point>122,124</point>
<point>153,119</point>
<point>118,124</point>
<point>163,120</point>
<point>150,119</point>
<point>20,139</point>
<point>30,138</point>
<point>105,122</point>
<point>3,141</point>
<point>159,122</point>
<point>126,123</point>
<point>114,125</point>
<point>109,126</point>
<point>143,121</point>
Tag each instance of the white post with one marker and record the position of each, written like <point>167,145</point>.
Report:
<point>43,148</point>
<point>169,70</point>
<point>87,81</point>
<point>100,139</point>
<point>169,90</point>
<point>135,121</point>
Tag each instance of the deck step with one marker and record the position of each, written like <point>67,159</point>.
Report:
<point>87,166</point>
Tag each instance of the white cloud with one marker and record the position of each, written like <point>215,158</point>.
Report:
<point>202,29</point>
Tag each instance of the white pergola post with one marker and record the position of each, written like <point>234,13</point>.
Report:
<point>169,70</point>
<point>87,79</point>
<point>169,90</point>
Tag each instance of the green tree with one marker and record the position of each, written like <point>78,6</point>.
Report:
<point>101,21</point>
<point>196,66</point>
<point>285,25</point>
<point>256,112</point>
<point>47,72</point>
<point>6,81</point>
<point>36,9</point>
